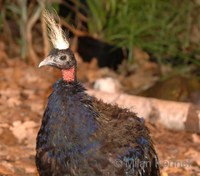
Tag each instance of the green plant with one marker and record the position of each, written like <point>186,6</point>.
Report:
<point>162,28</point>
<point>25,15</point>
<point>153,26</point>
<point>101,18</point>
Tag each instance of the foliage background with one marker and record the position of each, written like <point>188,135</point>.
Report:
<point>169,31</point>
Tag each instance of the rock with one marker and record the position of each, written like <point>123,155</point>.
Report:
<point>108,84</point>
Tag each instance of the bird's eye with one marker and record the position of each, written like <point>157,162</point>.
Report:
<point>62,58</point>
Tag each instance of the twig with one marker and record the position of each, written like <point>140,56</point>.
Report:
<point>80,16</point>
<point>72,29</point>
<point>30,25</point>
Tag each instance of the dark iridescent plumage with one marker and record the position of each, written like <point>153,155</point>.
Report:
<point>81,135</point>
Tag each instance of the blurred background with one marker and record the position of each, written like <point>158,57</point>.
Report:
<point>149,48</point>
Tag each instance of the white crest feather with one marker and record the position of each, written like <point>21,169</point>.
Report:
<point>56,34</point>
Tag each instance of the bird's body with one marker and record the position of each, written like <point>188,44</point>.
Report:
<point>82,136</point>
<point>67,129</point>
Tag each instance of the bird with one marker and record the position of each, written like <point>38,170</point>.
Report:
<point>81,135</point>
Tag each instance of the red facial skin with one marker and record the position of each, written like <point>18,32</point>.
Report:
<point>68,74</point>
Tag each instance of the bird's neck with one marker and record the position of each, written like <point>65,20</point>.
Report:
<point>69,75</point>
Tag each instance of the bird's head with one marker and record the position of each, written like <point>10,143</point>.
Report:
<point>61,59</point>
<point>61,56</point>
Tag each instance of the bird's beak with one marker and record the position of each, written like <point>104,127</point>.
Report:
<point>48,61</point>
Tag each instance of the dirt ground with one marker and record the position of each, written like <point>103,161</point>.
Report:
<point>23,95</point>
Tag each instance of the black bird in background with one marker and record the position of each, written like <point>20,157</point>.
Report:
<point>82,136</point>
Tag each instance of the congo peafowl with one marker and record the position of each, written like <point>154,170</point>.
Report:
<point>82,136</point>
